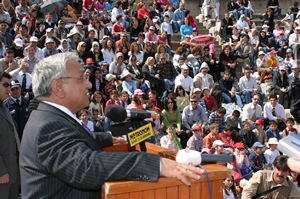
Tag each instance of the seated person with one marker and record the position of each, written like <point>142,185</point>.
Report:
<point>218,117</point>
<point>196,141</point>
<point>272,131</point>
<point>212,136</point>
<point>262,67</point>
<point>256,158</point>
<point>226,136</point>
<point>259,131</point>
<point>247,135</point>
<point>168,141</point>
<point>272,152</point>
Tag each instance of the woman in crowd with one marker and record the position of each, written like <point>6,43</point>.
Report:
<point>95,53</point>
<point>171,115</point>
<point>186,28</point>
<point>108,51</point>
<point>135,50</point>
<point>97,103</point>
<point>227,61</point>
<point>182,98</point>
<point>81,51</point>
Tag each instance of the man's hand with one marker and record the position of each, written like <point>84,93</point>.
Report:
<point>183,172</point>
<point>4,179</point>
<point>119,140</point>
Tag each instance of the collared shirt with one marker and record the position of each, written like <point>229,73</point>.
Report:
<point>279,111</point>
<point>191,116</point>
<point>248,84</point>
<point>262,181</point>
<point>195,143</point>
<point>18,75</point>
<point>271,155</point>
<point>185,82</point>
<point>64,109</point>
<point>250,112</point>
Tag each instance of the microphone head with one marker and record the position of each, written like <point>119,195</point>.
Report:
<point>116,113</point>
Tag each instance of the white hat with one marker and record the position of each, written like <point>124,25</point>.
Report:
<point>298,14</point>
<point>125,73</point>
<point>119,54</point>
<point>273,141</point>
<point>105,36</point>
<point>217,143</point>
<point>297,28</point>
<point>79,23</point>
<point>49,40</point>
<point>196,90</point>
<point>109,77</point>
<point>33,39</point>
<point>190,56</point>
<point>49,29</point>
<point>265,26</point>
<point>18,42</point>
<point>261,53</point>
<point>73,32</point>
<point>184,66</point>
<point>204,65</point>
<point>289,50</point>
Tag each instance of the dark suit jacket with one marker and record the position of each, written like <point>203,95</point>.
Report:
<point>8,147</point>
<point>59,159</point>
<point>19,113</point>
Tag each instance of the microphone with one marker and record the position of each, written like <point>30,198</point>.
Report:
<point>119,114</point>
<point>116,113</point>
<point>195,158</point>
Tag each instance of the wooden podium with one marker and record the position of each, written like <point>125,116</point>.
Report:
<point>165,188</point>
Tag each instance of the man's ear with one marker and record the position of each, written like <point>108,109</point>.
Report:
<point>57,88</point>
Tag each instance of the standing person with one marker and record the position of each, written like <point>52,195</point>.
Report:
<point>17,106</point>
<point>263,183</point>
<point>60,158</point>
<point>9,171</point>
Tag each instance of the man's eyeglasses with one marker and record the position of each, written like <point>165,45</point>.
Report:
<point>82,79</point>
<point>193,101</point>
<point>6,84</point>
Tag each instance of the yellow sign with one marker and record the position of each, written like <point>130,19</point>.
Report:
<point>140,134</point>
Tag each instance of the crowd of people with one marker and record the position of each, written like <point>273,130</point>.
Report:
<point>125,49</point>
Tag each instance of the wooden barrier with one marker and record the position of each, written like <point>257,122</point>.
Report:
<point>166,188</point>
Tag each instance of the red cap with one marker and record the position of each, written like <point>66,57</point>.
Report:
<point>273,52</point>
<point>239,145</point>
<point>259,121</point>
<point>89,61</point>
<point>197,127</point>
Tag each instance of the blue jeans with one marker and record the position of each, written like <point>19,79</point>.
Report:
<point>226,98</point>
<point>167,84</point>
<point>246,96</point>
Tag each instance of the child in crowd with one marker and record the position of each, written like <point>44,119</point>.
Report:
<point>247,136</point>
<point>259,131</point>
<point>124,100</point>
<point>196,141</point>
<point>242,162</point>
<point>271,153</point>
<point>218,149</point>
<point>273,130</point>
<point>84,116</point>
<point>228,188</point>
<point>168,141</point>
<point>290,122</point>
<point>256,158</point>
<point>226,137</point>
<point>218,117</point>
<point>212,136</point>
<point>234,120</point>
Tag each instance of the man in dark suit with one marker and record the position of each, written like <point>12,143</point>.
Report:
<point>17,106</point>
<point>61,159</point>
<point>9,143</point>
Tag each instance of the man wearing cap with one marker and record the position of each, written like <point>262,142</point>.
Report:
<point>256,158</point>
<point>263,183</point>
<point>38,51</point>
<point>275,111</point>
<point>49,48</point>
<point>9,170</point>
<point>196,141</point>
<point>5,36</point>
<point>8,63</point>
<point>203,79</point>
<point>184,79</point>
<point>17,106</point>
<point>49,34</point>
